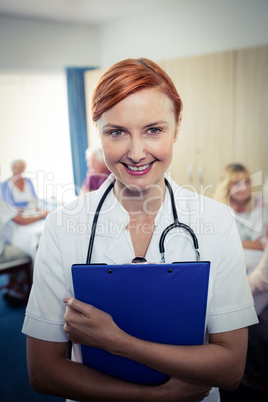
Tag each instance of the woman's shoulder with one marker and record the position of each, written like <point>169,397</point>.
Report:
<point>28,180</point>
<point>6,191</point>
<point>5,183</point>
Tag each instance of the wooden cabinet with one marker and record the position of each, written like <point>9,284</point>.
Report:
<point>251,108</point>
<point>205,85</point>
<point>225,116</point>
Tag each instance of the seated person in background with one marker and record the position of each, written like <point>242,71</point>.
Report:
<point>18,190</point>
<point>234,190</point>
<point>10,253</point>
<point>97,170</point>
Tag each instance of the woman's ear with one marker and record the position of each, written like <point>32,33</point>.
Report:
<point>178,126</point>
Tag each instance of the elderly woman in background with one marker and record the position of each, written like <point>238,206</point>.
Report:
<point>234,189</point>
<point>97,170</point>
<point>18,190</point>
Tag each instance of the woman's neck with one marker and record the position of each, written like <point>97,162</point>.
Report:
<point>18,181</point>
<point>141,203</point>
<point>240,206</point>
<point>142,207</point>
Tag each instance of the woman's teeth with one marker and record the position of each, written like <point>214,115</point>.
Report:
<point>138,169</point>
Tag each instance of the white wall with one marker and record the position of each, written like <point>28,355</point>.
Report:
<point>184,28</point>
<point>181,28</point>
<point>33,98</point>
<point>30,44</point>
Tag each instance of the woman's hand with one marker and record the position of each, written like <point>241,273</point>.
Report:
<point>252,244</point>
<point>177,390</point>
<point>87,325</point>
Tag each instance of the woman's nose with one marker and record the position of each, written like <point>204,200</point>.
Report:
<point>136,150</point>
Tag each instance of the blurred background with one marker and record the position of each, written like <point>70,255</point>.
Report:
<point>215,51</point>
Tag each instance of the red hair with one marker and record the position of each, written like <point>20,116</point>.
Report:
<point>130,76</point>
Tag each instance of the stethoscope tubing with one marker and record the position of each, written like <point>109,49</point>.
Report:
<point>95,221</point>
<point>173,225</point>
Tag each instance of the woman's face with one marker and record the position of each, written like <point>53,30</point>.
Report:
<point>18,168</point>
<point>240,187</point>
<point>137,136</point>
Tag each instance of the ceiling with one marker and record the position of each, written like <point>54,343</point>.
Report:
<point>77,11</point>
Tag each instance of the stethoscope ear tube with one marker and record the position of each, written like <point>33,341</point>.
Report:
<point>176,224</point>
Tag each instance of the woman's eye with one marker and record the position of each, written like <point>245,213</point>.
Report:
<point>117,133</point>
<point>154,130</point>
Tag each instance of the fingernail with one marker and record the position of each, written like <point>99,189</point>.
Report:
<point>66,300</point>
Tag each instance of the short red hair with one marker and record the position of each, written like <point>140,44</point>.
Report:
<point>130,76</point>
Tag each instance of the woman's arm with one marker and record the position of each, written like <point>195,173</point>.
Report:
<point>27,220</point>
<point>220,363</point>
<point>52,373</point>
<point>253,244</point>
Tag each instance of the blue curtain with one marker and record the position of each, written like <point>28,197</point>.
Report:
<point>77,122</point>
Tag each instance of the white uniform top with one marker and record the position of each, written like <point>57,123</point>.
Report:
<point>65,242</point>
<point>25,195</point>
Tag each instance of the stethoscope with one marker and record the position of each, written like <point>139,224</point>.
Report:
<point>175,224</point>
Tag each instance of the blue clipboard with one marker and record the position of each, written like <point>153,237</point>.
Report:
<point>163,303</point>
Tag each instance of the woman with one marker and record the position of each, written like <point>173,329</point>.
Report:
<point>234,190</point>
<point>97,171</point>
<point>137,112</point>
<point>18,190</point>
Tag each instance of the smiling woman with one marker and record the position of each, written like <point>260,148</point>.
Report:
<point>234,189</point>
<point>141,113</point>
<point>137,111</point>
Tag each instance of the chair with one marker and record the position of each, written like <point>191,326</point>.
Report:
<point>23,264</point>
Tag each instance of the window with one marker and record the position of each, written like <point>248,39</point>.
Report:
<point>34,126</point>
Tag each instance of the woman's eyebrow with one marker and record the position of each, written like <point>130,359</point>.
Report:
<point>114,126</point>
<point>118,127</point>
<point>156,123</point>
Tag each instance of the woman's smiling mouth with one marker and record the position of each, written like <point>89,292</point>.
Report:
<point>138,169</point>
